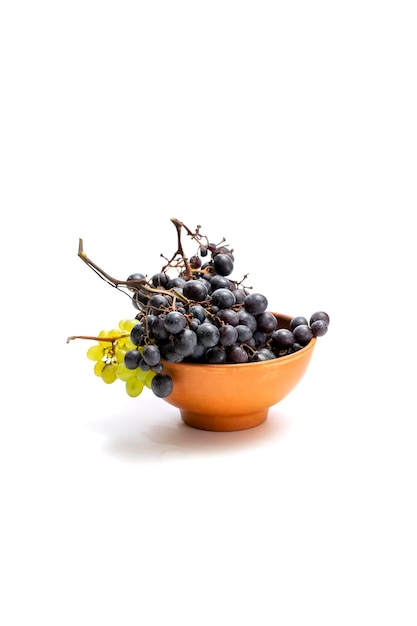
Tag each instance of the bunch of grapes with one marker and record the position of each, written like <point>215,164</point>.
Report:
<point>193,311</point>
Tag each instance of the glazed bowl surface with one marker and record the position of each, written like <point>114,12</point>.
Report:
<point>232,397</point>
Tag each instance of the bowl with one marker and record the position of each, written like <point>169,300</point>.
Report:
<point>231,397</point>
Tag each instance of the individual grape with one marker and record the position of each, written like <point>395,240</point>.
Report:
<point>157,368</point>
<point>132,359</point>
<point>244,333</point>
<point>223,264</point>
<point>151,354</point>
<point>228,335</point>
<point>96,352</point>
<point>98,367</point>
<point>266,322</point>
<point>158,302</point>
<point>215,355</point>
<point>228,316</point>
<point>137,333</point>
<point>283,339</point>
<point>134,387</point>
<point>198,311</point>
<point>162,385</point>
<point>223,298</point>
<point>173,283</point>
<point>259,337</point>
<point>136,277</point>
<point>302,334</point>
<point>240,295</point>
<point>175,322</point>
<point>124,373</point>
<point>195,290</point>
<point>320,315</point>
<point>160,279</point>
<point>299,320</point>
<point>255,303</point>
<point>109,373</point>
<point>263,354</point>
<point>248,320</point>
<point>319,328</point>
<point>237,354</point>
<point>185,342</point>
<point>143,365</point>
<point>208,334</point>
<point>219,282</point>
<point>195,261</point>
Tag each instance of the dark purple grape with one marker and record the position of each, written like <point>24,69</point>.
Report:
<point>215,355</point>
<point>195,290</point>
<point>137,333</point>
<point>248,320</point>
<point>219,282</point>
<point>175,322</point>
<point>185,342</point>
<point>132,359</point>
<point>160,280</point>
<point>223,264</point>
<point>208,334</point>
<point>228,335</point>
<point>173,283</point>
<point>151,354</point>
<point>255,303</point>
<point>237,354</point>
<point>162,385</point>
<point>223,298</point>
<point>244,333</point>
<point>198,311</point>
<point>263,354</point>
<point>228,316</point>
<point>240,295</point>
<point>259,337</point>
<point>144,366</point>
<point>283,339</point>
<point>266,322</point>
<point>320,315</point>
<point>319,328</point>
<point>158,302</point>
<point>303,334</point>
<point>195,261</point>
<point>299,320</point>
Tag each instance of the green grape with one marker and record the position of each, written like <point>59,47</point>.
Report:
<point>98,367</point>
<point>123,373</point>
<point>148,378</point>
<point>134,387</point>
<point>109,373</point>
<point>95,353</point>
<point>120,355</point>
<point>140,374</point>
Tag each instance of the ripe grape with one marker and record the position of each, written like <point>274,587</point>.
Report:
<point>162,385</point>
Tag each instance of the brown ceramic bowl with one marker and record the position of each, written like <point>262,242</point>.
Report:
<point>232,397</point>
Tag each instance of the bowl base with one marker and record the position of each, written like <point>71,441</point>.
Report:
<point>222,423</point>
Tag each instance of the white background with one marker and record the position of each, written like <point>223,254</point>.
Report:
<point>290,129</point>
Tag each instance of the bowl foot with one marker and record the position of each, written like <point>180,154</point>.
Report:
<point>222,423</point>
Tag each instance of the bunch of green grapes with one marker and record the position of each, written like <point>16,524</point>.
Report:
<point>108,355</point>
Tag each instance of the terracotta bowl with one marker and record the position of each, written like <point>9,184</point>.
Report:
<point>233,397</point>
